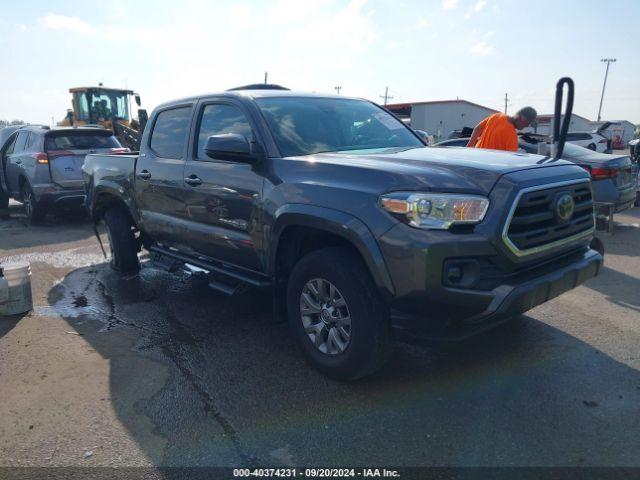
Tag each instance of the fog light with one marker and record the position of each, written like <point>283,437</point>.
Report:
<point>463,273</point>
<point>454,274</point>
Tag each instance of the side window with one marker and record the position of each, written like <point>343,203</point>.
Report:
<point>31,141</point>
<point>20,142</point>
<point>12,145</point>
<point>170,132</point>
<point>218,119</point>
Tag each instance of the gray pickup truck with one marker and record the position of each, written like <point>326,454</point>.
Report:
<point>363,233</point>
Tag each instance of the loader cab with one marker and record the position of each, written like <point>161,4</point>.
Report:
<point>94,105</point>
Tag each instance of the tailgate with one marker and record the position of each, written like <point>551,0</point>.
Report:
<point>624,179</point>
<point>66,167</point>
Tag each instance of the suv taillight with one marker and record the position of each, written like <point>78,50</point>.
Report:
<point>41,157</point>
<point>602,173</point>
<point>604,140</point>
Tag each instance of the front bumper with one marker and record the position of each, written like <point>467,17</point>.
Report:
<point>523,293</point>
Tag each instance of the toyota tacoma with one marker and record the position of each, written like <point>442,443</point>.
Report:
<point>363,233</point>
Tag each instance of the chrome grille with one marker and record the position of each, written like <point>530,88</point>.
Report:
<point>533,224</point>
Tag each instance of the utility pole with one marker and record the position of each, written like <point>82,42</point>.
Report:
<point>337,89</point>
<point>266,74</point>
<point>506,102</point>
<point>606,73</point>
<point>386,95</point>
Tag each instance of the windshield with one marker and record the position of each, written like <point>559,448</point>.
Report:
<point>102,104</point>
<point>303,126</point>
<point>80,141</point>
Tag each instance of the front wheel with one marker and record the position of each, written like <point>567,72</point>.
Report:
<point>336,314</point>
<point>122,241</point>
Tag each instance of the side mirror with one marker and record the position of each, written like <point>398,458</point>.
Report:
<point>137,97</point>
<point>229,146</point>
<point>424,136</point>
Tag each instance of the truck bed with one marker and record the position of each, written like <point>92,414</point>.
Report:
<point>108,173</point>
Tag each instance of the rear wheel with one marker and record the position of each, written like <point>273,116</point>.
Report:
<point>336,314</point>
<point>592,146</point>
<point>33,210</point>
<point>122,241</point>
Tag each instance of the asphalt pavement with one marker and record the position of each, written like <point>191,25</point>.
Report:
<point>160,370</point>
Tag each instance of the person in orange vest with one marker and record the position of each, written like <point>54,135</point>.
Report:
<point>498,131</point>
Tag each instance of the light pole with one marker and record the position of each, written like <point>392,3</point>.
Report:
<point>608,61</point>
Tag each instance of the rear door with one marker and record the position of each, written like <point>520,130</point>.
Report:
<point>66,150</point>
<point>222,196</point>
<point>159,182</point>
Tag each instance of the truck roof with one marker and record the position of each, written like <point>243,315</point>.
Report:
<point>252,94</point>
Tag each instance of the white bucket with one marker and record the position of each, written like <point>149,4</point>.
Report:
<point>18,276</point>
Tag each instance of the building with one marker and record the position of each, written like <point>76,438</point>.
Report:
<point>441,117</point>
<point>545,124</point>
<point>619,131</point>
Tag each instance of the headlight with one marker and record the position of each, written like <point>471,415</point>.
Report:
<point>436,210</point>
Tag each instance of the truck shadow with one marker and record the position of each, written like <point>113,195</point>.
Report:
<point>221,384</point>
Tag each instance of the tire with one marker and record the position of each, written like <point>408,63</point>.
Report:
<point>369,343</point>
<point>592,146</point>
<point>35,212</point>
<point>122,241</point>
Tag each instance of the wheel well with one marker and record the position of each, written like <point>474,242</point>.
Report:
<point>105,202</point>
<point>297,241</point>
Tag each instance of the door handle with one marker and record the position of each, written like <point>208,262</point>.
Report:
<point>193,180</point>
<point>144,174</point>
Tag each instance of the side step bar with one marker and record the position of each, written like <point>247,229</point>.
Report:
<point>241,278</point>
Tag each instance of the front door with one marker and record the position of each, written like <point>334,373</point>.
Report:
<point>159,182</point>
<point>222,196</point>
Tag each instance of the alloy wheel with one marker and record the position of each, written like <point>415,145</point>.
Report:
<point>325,316</point>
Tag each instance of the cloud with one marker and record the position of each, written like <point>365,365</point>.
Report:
<point>349,29</point>
<point>449,4</point>
<point>240,15</point>
<point>424,22</point>
<point>480,5</point>
<point>481,49</point>
<point>62,22</point>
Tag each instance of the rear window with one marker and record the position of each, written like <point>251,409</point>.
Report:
<point>80,141</point>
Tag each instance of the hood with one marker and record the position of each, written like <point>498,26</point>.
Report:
<point>453,169</point>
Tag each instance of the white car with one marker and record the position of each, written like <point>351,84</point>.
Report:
<point>593,140</point>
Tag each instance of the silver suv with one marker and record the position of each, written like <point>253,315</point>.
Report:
<point>41,166</point>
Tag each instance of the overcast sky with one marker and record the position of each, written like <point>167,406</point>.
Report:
<point>422,50</point>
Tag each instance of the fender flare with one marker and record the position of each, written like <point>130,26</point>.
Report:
<point>115,191</point>
<point>338,223</point>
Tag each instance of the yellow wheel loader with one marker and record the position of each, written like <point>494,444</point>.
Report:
<point>109,108</point>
